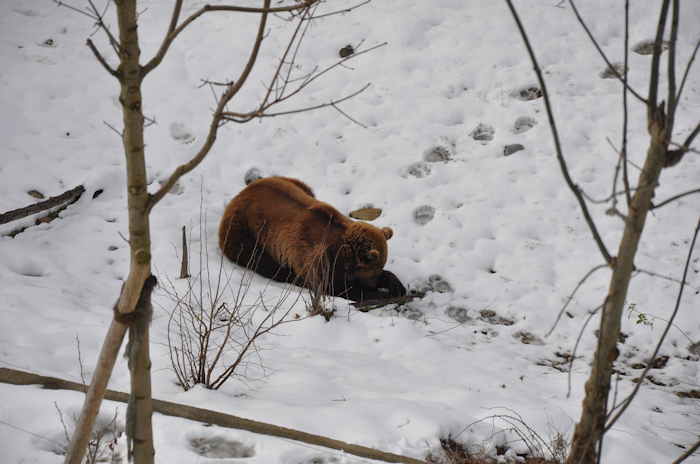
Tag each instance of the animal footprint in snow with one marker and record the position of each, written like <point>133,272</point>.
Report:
<point>646,47</point>
<point>437,154</point>
<point>524,124</point>
<point>483,133</point>
<point>527,93</point>
<point>611,72</point>
<point>218,447</point>
<point>179,132</point>
<point>423,214</point>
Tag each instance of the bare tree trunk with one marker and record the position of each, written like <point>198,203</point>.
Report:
<point>139,231</point>
<point>130,77</point>
<point>591,426</point>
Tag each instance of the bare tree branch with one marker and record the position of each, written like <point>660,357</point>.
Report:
<point>77,10</point>
<point>671,98</point>
<point>687,70</point>
<point>656,58</point>
<point>625,108</point>
<point>216,119</point>
<point>101,25</point>
<point>163,49</point>
<point>689,141</point>
<point>101,59</point>
<point>675,197</point>
<point>341,12</point>
<point>245,117</point>
<point>571,296</point>
<point>602,54</point>
<point>350,118</point>
<point>555,134</point>
<point>625,404</point>
<point>175,31</point>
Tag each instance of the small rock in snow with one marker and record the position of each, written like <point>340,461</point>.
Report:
<point>512,148</point>
<point>346,51</point>
<point>252,174</point>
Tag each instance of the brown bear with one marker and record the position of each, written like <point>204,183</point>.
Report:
<point>276,227</point>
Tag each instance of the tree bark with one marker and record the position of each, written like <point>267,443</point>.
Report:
<point>139,231</point>
<point>130,76</point>
<point>589,431</point>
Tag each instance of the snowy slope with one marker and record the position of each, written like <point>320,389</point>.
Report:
<point>506,235</point>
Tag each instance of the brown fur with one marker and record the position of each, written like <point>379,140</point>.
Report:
<point>278,228</point>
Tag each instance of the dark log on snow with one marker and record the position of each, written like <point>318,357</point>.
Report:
<point>66,198</point>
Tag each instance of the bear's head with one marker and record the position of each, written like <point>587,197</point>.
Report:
<point>366,249</point>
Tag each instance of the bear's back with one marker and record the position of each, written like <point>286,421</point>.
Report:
<point>285,211</point>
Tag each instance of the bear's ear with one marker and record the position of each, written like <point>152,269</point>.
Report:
<point>388,232</point>
<point>327,211</point>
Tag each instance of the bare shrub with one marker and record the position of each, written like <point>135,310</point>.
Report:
<point>319,285</point>
<point>216,324</point>
<point>513,438</point>
<point>102,445</point>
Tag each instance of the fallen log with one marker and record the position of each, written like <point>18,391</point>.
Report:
<point>63,200</point>
<point>207,416</point>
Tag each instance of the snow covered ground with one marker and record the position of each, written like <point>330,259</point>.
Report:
<point>505,233</point>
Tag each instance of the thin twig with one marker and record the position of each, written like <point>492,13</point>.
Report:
<point>245,117</point>
<point>689,141</point>
<point>687,70</point>
<point>340,12</point>
<point>83,377</point>
<point>578,340</point>
<point>655,274</point>
<point>602,53</point>
<point>348,116</point>
<point>671,98</point>
<point>77,10</point>
<point>560,156</point>
<point>625,108</point>
<point>114,129</point>
<point>174,32</point>
<point>101,24</point>
<point>628,400</point>
<point>675,197</point>
<point>571,296</point>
